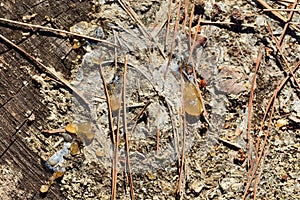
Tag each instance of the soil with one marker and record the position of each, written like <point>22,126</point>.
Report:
<point>172,139</point>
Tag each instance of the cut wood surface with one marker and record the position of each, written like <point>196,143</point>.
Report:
<point>21,172</point>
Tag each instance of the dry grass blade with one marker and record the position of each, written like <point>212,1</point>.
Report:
<point>182,163</point>
<point>114,172</point>
<point>125,130</point>
<point>173,40</point>
<point>55,30</point>
<point>50,72</point>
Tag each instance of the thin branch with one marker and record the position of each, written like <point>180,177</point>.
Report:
<point>108,100</point>
<point>186,8</point>
<point>250,107</point>
<point>183,114</point>
<point>227,23</point>
<point>168,23</point>
<point>281,9</point>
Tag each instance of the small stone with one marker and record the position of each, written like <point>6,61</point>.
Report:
<point>281,123</point>
<point>197,186</point>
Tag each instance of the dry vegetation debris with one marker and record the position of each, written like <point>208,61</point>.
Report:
<point>237,61</point>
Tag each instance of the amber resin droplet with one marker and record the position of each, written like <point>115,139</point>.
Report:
<point>74,149</point>
<point>115,102</point>
<point>71,128</point>
<point>86,132</point>
<point>192,102</point>
<point>44,188</point>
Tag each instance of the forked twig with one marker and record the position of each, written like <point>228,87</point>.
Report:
<point>281,53</point>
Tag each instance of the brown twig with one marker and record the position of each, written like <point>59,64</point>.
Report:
<point>262,148</point>
<point>157,140</point>
<point>50,72</point>
<point>168,23</point>
<point>190,24</point>
<point>186,8</point>
<point>281,9</point>
<point>54,131</point>
<point>55,30</point>
<point>250,107</point>
<point>182,163</point>
<point>194,42</point>
<point>260,172</point>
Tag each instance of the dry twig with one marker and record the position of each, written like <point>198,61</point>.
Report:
<point>250,107</point>
<point>287,23</point>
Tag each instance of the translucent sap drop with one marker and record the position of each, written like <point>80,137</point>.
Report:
<point>192,102</point>
<point>86,132</point>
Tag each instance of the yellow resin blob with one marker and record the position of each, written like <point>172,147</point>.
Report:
<point>191,100</point>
